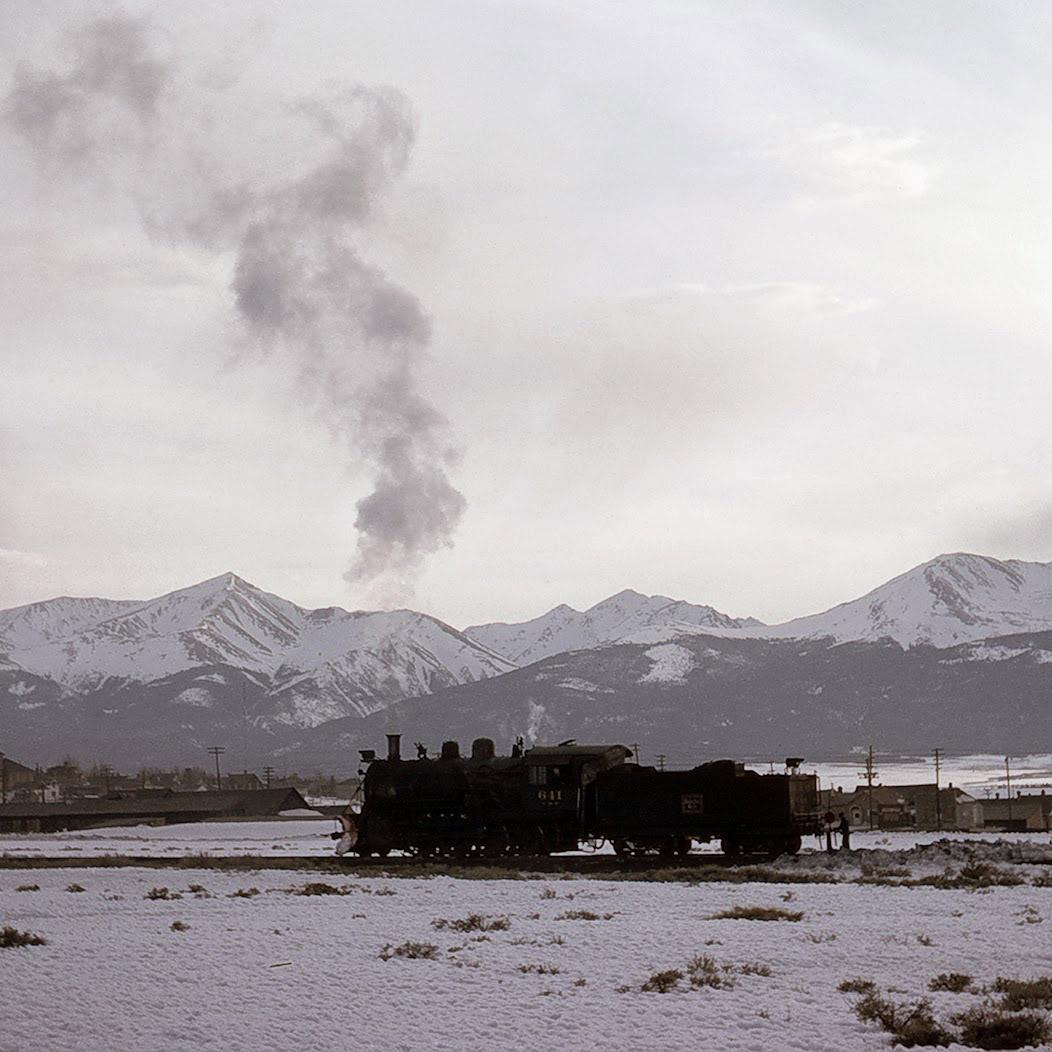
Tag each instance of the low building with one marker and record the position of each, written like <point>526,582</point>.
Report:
<point>907,807</point>
<point>1018,814</point>
<point>13,777</point>
<point>165,808</point>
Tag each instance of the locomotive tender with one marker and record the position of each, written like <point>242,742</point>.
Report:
<point>553,798</point>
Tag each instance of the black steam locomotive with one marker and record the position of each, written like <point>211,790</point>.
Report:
<point>554,798</point>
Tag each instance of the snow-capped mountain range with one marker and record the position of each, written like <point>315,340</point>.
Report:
<point>322,663</point>
<point>223,660</point>
<point>625,616</point>
<point>952,599</point>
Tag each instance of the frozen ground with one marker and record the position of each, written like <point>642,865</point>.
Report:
<point>282,971</point>
<point>302,837</point>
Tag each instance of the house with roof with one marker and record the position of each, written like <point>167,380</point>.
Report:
<point>907,807</point>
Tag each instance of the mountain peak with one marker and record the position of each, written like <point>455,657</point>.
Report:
<point>957,597</point>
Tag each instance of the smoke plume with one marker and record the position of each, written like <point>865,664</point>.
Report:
<point>291,224</point>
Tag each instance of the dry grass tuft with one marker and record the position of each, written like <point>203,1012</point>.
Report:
<point>319,887</point>
<point>857,986</point>
<point>472,922</point>
<point>180,926</point>
<point>413,951</point>
<point>951,983</point>
<point>75,889</point>
<point>13,939</point>
<point>989,1027</point>
<point>162,893</point>
<point>1017,994</point>
<point>662,982</point>
<point>28,887</point>
<point>758,913</point>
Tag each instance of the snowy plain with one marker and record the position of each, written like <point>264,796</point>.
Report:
<point>298,838</point>
<point>283,971</point>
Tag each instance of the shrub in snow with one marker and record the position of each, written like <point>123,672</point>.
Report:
<point>586,915</point>
<point>951,983</point>
<point>662,982</point>
<point>74,888</point>
<point>985,875</point>
<point>857,986</point>
<point>987,1027</point>
<point>13,939</point>
<point>540,969</point>
<point>1018,994</point>
<point>425,951</point>
<point>164,894</point>
<point>244,893</point>
<point>758,913</point>
<point>180,926</point>
<point>910,1025</point>
<point>28,887</point>
<point>318,887</point>
<point>473,922</point>
<point>705,972</point>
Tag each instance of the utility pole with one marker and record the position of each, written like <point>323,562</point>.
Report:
<point>217,751</point>
<point>1008,789</point>
<point>869,774</point>
<point>661,761</point>
<point>268,772</point>
<point>635,752</point>
<point>938,793</point>
<point>3,779</point>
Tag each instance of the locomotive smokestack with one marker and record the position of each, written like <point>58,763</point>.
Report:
<point>451,750</point>
<point>394,746</point>
<point>483,749</point>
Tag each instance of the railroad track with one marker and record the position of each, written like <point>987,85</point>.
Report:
<point>586,865</point>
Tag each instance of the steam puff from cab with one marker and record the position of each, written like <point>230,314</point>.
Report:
<point>121,117</point>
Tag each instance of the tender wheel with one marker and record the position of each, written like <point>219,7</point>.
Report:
<point>731,846</point>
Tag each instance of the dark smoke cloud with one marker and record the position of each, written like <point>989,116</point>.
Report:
<point>300,284</point>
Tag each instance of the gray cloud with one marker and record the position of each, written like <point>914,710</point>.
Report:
<point>300,284</point>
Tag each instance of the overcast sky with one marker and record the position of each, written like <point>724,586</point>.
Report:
<point>745,304</point>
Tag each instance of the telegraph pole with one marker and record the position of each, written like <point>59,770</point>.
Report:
<point>217,751</point>
<point>3,779</point>
<point>635,752</point>
<point>869,774</point>
<point>1008,788</point>
<point>661,761</point>
<point>938,794</point>
<point>268,771</point>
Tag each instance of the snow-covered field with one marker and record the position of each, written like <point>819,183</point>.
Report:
<point>272,838</point>
<point>309,837</point>
<point>282,971</point>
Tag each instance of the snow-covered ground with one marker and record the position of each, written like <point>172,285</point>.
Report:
<point>307,837</point>
<point>274,838</point>
<point>282,971</point>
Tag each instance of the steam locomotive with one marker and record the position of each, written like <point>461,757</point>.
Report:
<point>554,798</point>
